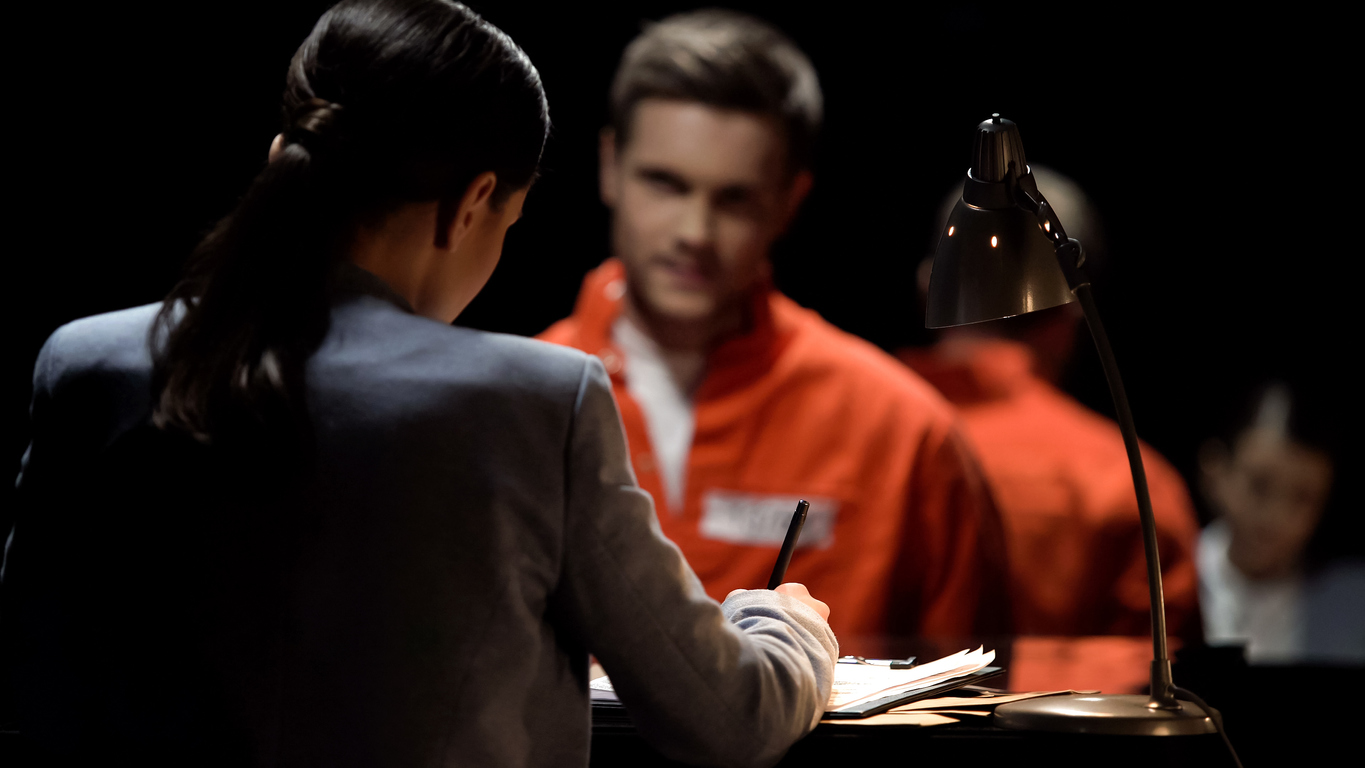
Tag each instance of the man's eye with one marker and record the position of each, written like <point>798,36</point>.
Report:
<point>734,198</point>
<point>664,182</point>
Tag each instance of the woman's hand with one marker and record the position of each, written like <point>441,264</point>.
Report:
<point>798,591</point>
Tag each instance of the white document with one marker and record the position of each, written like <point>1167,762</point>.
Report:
<point>858,683</point>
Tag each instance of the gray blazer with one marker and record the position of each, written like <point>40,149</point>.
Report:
<point>428,597</point>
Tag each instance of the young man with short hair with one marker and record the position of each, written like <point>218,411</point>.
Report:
<point>736,401</point>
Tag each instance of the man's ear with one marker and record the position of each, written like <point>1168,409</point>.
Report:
<point>796,194</point>
<point>455,219</point>
<point>609,183</point>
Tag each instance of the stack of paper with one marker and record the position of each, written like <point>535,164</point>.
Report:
<point>943,710</point>
<point>859,685</point>
<point>861,689</point>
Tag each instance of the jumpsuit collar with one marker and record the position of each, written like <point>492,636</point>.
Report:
<point>974,370</point>
<point>734,363</point>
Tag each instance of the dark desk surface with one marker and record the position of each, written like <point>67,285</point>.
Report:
<point>974,743</point>
<point>1275,716</point>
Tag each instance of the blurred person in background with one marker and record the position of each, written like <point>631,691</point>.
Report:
<point>1058,470</point>
<point>1267,577</point>
<point>736,401</point>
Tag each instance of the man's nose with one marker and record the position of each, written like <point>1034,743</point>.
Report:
<point>696,226</point>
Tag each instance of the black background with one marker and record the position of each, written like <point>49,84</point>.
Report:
<point>1217,149</point>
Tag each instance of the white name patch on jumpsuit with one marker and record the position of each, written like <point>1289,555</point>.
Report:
<point>762,520</point>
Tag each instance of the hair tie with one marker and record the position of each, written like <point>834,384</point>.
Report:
<point>314,125</point>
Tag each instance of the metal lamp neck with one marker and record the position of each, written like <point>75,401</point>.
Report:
<point>1071,258</point>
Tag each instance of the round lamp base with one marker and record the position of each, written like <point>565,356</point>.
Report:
<point>1114,714</point>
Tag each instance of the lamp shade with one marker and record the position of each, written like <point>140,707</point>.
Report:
<point>993,259</point>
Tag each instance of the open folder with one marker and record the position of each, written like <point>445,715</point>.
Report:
<point>861,690</point>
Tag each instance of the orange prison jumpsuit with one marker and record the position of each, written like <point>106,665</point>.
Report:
<point>902,537</point>
<point>1060,475</point>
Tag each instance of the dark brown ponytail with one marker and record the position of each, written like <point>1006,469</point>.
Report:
<point>386,102</point>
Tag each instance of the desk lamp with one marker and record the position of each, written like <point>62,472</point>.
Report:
<point>1004,253</point>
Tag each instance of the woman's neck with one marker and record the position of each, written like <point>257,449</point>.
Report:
<point>398,249</point>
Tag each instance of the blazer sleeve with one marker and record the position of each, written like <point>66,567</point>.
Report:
<point>52,445</point>
<point>732,684</point>
<point>36,578</point>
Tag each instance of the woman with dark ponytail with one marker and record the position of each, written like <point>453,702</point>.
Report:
<point>290,516</point>
<point>385,104</point>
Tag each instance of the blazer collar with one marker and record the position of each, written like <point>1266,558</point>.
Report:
<point>348,281</point>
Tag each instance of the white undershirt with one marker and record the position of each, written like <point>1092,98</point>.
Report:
<point>1264,614</point>
<point>662,382</point>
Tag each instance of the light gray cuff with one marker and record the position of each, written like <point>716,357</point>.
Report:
<point>758,610</point>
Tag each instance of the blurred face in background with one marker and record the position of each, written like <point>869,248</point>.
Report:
<point>1272,491</point>
<point>698,195</point>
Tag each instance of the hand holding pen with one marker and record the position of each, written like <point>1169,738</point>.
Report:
<point>784,556</point>
<point>799,591</point>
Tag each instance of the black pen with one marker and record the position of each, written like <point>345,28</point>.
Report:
<point>784,556</point>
